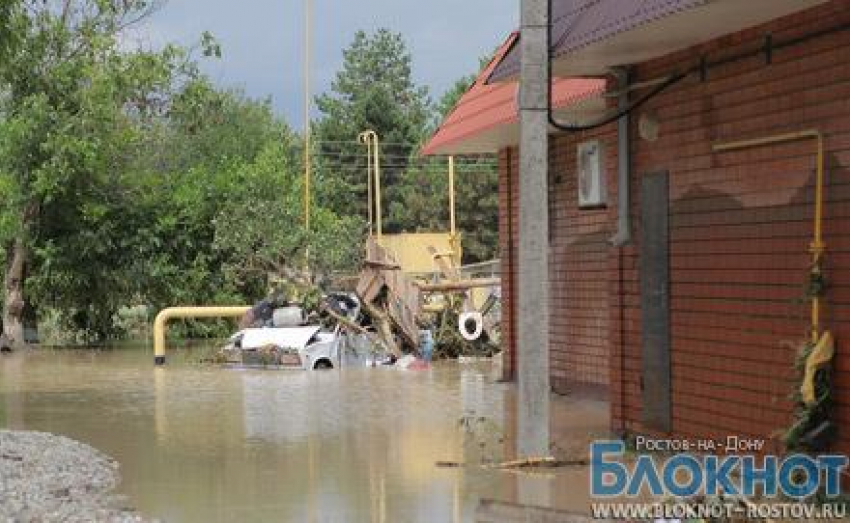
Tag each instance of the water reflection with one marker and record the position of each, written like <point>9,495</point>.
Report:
<point>206,444</point>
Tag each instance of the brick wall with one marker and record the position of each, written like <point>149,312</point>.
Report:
<point>579,271</point>
<point>741,223</point>
<point>740,227</point>
<point>578,260</point>
<point>508,243</point>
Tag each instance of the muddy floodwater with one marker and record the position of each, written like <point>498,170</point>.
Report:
<point>205,444</point>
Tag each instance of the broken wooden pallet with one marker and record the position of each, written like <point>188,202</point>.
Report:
<point>381,272</point>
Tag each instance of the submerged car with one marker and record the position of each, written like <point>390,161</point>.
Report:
<point>294,347</point>
<point>290,343</point>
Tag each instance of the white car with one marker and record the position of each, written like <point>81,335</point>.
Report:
<point>290,347</point>
<point>308,347</point>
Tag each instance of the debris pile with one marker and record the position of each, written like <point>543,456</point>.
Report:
<point>390,314</point>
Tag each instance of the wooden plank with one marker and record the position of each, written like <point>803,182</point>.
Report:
<point>448,269</point>
<point>460,285</point>
<point>403,297</point>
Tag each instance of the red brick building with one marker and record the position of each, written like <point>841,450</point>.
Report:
<point>727,232</point>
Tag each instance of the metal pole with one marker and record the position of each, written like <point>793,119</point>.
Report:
<point>170,313</point>
<point>308,22</point>
<point>376,144</point>
<point>370,183</point>
<point>533,256</point>
<point>818,247</point>
<point>453,240</point>
<point>366,138</point>
<point>452,195</point>
<point>373,144</point>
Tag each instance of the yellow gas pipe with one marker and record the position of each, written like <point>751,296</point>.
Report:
<point>369,183</point>
<point>453,237</point>
<point>187,312</point>
<point>373,145</point>
<point>824,347</point>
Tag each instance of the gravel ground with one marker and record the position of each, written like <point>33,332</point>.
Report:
<point>47,478</point>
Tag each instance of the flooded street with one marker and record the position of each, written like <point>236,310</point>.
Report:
<point>203,444</point>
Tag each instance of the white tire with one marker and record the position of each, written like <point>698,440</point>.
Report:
<point>471,325</point>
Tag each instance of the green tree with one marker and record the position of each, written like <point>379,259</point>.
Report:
<point>477,185</point>
<point>260,229</point>
<point>209,127</point>
<point>191,167</point>
<point>422,205</point>
<point>68,122</point>
<point>129,179</point>
<point>8,16</point>
<point>450,98</point>
<point>478,209</point>
<point>373,90</point>
<point>423,202</point>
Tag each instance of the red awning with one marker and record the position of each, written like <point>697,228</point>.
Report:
<point>486,117</point>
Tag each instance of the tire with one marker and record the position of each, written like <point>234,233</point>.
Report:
<point>323,364</point>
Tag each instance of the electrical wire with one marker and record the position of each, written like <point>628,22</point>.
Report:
<point>402,163</point>
<point>403,157</point>
<point>553,120</point>
<point>703,67</point>
<point>435,169</point>
<point>355,142</point>
<point>670,81</point>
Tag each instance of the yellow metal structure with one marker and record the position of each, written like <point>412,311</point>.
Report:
<point>187,312</point>
<point>370,182</point>
<point>373,146</point>
<point>455,238</point>
<point>453,225</point>
<point>411,250</point>
<point>824,344</point>
<point>821,355</point>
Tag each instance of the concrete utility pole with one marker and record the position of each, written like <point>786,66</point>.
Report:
<point>533,311</point>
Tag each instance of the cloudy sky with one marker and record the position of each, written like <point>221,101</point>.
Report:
<point>262,39</point>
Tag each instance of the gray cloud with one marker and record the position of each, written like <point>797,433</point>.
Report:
<point>262,40</point>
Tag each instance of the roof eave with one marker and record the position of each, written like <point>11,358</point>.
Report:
<point>673,25</point>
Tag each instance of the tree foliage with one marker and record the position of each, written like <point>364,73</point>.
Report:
<point>126,175</point>
<point>129,179</point>
<point>374,90</point>
<point>450,98</point>
<point>423,205</point>
<point>72,103</point>
<point>260,226</point>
